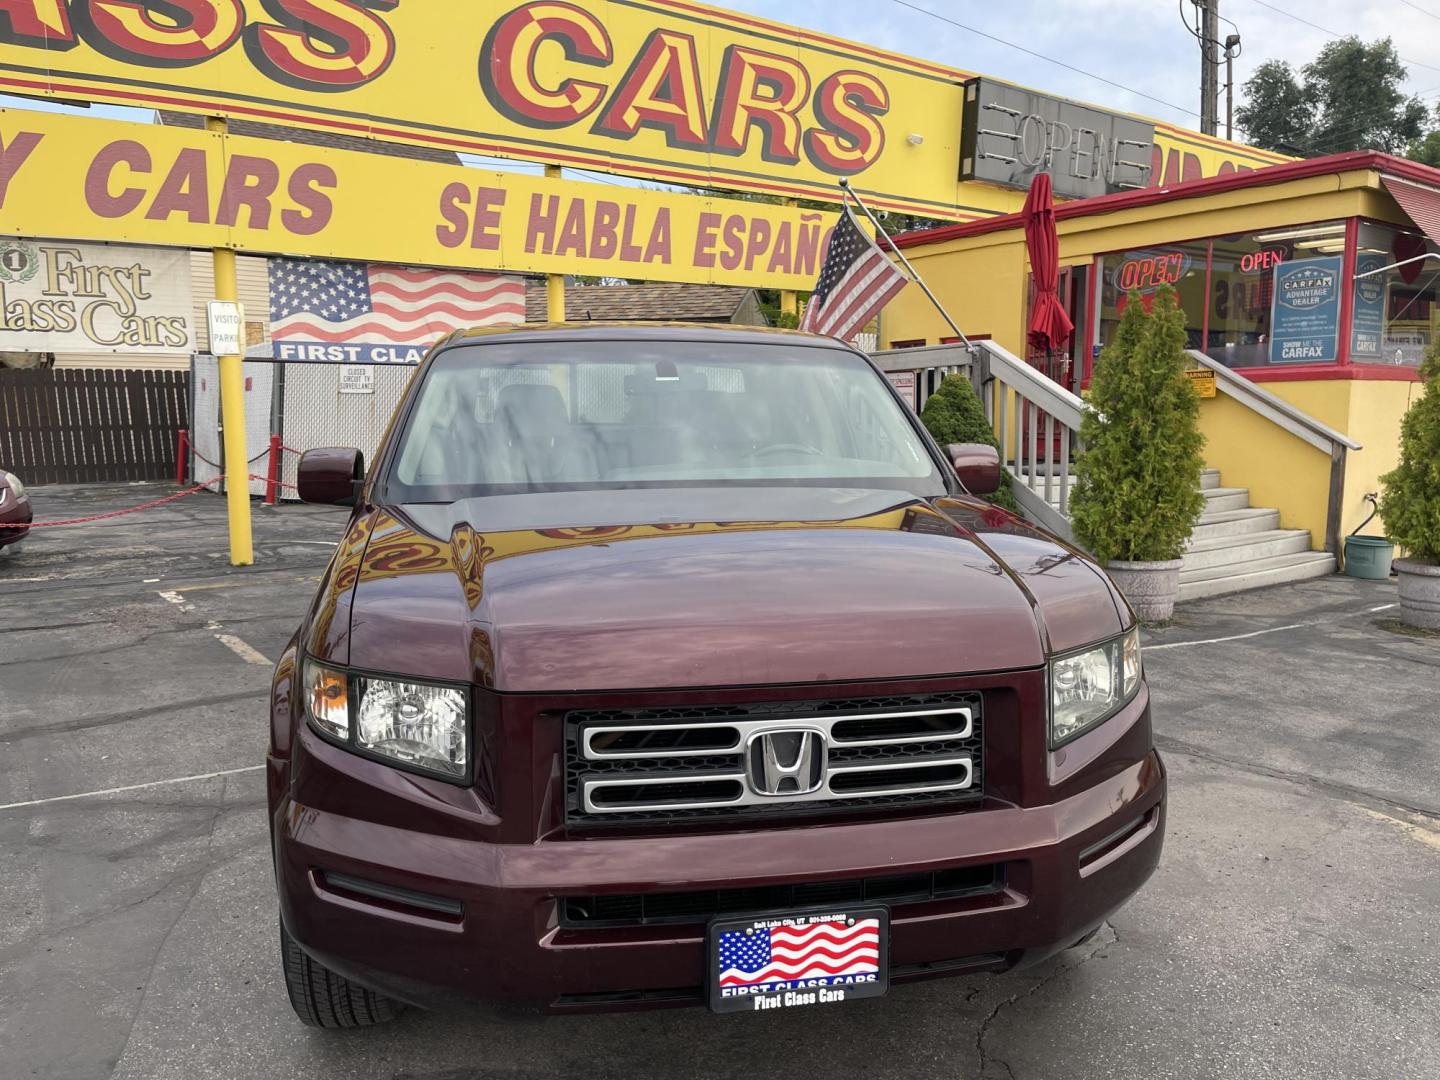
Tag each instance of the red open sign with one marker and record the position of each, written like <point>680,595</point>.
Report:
<point>1261,260</point>
<point>1152,271</point>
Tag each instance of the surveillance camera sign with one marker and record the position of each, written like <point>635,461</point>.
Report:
<point>88,298</point>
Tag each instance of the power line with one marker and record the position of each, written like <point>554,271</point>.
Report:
<point>1048,59</point>
<point>1332,33</point>
<point>1420,9</point>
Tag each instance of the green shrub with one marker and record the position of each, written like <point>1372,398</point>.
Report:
<point>1137,490</point>
<point>953,414</point>
<point>1410,504</point>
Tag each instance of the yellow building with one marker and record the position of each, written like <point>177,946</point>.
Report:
<point>1273,269</point>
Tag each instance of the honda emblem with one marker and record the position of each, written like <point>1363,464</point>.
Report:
<point>781,763</point>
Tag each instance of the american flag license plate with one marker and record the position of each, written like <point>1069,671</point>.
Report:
<point>783,961</point>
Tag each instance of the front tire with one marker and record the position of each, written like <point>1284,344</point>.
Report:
<point>323,999</point>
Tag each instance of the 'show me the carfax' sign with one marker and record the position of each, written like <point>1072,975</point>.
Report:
<point>57,296</point>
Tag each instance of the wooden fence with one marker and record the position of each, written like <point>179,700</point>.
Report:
<point>82,426</point>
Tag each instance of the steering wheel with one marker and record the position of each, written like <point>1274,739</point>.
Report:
<point>786,447</point>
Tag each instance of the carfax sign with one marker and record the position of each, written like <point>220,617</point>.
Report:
<point>1305,313</point>
<point>1368,308</point>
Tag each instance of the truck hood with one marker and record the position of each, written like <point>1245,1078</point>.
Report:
<point>846,586</point>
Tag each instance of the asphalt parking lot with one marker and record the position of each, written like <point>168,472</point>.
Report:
<point>1293,929</point>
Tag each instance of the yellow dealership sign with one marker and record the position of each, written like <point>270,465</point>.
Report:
<point>80,178</point>
<point>665,89</point>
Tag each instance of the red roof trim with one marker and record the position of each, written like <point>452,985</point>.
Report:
<point>1354,161</point>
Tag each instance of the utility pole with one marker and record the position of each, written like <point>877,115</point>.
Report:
<point>1232,50</point>
<point>1209,64</point>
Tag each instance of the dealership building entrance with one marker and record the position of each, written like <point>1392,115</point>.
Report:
<point>1312,287</point>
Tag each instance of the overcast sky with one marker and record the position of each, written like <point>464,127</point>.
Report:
<point>1141,45</point>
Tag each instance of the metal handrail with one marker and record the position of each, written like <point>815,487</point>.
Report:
<point>1276,409</point>
<point>1298,423</point>
<point>1033,385</point>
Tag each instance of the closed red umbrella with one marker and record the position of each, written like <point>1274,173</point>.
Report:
<point>1050,327</point>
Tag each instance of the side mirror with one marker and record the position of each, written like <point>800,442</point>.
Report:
<point>331,475</point>
<point>977,466</point>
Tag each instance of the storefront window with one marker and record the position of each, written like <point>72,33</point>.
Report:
<point>1181,266</point>
<point>1228,289</point>
<point>1396,311</point>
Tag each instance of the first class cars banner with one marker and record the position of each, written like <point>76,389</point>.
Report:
<point>112,180</point>
<point>58,296</point>
<point>664,89</point>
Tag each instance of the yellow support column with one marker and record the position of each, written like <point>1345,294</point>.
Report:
<point>789,305</point>
<point>554,283</point>
<point>232,411</point>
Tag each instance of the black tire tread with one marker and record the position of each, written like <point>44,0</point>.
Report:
<point>323,999</point>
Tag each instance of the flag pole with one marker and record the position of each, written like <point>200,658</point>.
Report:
<point>915,277</point>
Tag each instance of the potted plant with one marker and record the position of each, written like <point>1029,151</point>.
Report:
<point>1410,503</point>
<point>953,414</point>
<point>1137,488</point>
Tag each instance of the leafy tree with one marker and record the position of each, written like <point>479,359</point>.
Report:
<point>1410,504</point>
<point>1355,91</point>
<point>1276,114</point>
<point>1426,150</point>
<point>1348,98</point>
<point>954,414</point>
<point>1137,492</point>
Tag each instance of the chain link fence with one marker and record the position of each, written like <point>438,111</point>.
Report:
<point>303,404</point>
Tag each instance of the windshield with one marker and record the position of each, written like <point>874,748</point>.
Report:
<point>576,415</point>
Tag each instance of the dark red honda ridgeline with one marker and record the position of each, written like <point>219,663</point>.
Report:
<point>667,665</point>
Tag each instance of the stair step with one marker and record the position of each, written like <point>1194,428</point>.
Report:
<point>1255,574</point>
<point>1209,479</point>
<point>1235,548</point>
<point>1246,519</point>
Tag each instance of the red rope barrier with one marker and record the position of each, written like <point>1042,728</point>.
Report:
<point>137,509</point>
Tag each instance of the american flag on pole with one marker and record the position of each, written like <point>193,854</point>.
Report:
<point>856,281</point>
<point>368,312</point>
<point>773,958</point>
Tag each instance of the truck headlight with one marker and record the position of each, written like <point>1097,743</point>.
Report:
<point>1090,686</point>
<point>420,725</point>
<point>16,487</point>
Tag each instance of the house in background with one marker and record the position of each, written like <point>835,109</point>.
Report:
<point>651,302</point>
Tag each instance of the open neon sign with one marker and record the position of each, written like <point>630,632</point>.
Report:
<point>1152,271</point>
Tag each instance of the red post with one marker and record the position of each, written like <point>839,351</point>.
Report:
<point>272,471</point>
<point>182,451</point>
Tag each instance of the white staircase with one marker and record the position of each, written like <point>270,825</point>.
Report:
<point>1235,546</point>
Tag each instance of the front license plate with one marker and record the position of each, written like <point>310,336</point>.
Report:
<point>784,961</point>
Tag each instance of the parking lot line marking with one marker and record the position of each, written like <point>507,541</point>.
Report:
<point>241,649</point>
<point>172,597</point>
<point>1267,630</point>
<point>1232,637</point>
<point>131,787</point>
<point>1427,836</point>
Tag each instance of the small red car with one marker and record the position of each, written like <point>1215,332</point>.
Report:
<point>669,665</point>
<point>15,512</point>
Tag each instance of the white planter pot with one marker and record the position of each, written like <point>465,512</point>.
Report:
<point>1419,593</point>
<point>1150,587</point>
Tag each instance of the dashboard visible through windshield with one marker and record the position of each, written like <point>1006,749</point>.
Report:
<point>515,417</point>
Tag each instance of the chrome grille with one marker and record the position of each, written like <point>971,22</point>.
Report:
<point>624,765</point>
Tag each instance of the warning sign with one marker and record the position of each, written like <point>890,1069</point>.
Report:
<point>1202,380</point>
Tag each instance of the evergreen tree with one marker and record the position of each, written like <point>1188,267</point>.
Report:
<point>1137,492</point>
<point>954,414</point>
<point>1411,501</point>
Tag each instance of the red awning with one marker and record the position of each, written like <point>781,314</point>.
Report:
<point>1420,201</point>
